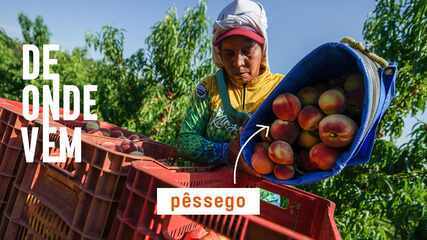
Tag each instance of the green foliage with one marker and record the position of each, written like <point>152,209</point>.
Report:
<point>34,32</point>
<point>11,83</point>
<point>179,56</point>
<point>149,91</point>
<point>396,30</point>
<point>109,42</point>
<point>37,33</point>
<point>120,90</point>
<point>74,69</point>
<point>386,198</point>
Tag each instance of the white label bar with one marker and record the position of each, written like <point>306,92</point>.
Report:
<point>208,201</point>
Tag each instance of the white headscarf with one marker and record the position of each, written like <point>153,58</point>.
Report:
<point>240,13</point>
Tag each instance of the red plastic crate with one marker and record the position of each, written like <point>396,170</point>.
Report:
<point>17,206</point>
<point>151,148</point>
<point>307,216</point>
<point>79,122</point>
<point>102,125</point>
<point>82,198</point>
<point>137,219</point>
<point>17,107</point>
<point>11,151</point>
<point>79,198</point>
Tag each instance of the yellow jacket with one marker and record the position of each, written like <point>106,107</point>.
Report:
<point>207,127</point>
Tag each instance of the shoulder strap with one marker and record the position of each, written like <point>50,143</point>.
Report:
<point>237,117</point>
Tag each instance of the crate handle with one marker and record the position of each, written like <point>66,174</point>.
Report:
<point>359,46</point>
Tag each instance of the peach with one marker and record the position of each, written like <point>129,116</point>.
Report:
<point>353,83</point>
<point>304,161</point>
<point>116,133</point>
<point>284,172</point>
<point>309,118</point>
<point>281,152</point>
<point>332,101</point>
<point>308,96</point>
<point>286,106</point>
<point>284,130</point>
<point>261,163</point>
<point>128,146</point>
<point>337,130</point>
<point>308,139</point>
<point>323,157</point>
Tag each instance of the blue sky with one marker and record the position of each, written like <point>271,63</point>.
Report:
<point>295,27</point>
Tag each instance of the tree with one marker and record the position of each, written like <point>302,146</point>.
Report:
<point>11,82</point>
<point>11,55</point>
<point>149,91</point>
<point>74,68</point>
<point>120,90</point>
<point>37,33</point>
<point>383,199</point>
<point>179,56</point>
<point>34,32</point>
<point>396,30</point>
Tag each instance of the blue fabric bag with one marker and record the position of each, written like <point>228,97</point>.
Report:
<point>328,60</point>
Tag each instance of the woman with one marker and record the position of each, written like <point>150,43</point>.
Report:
<point>223,101</point>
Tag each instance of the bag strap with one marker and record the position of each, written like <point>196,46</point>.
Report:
<point>359,46</point>
<point>237,117</point>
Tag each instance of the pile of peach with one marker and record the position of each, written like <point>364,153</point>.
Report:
<point>130,145</point>
<point>311,129</point>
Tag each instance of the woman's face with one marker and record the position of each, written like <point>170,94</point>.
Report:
<point>241,58</point>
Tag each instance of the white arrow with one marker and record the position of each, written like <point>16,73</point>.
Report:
<point>262,127</point>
